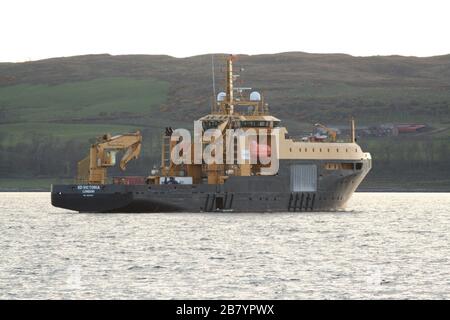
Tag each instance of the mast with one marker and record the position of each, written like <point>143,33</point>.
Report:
<point>230,107</point>
<point>213,76</point>
<point>352,128</point>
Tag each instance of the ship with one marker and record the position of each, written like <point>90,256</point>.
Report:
<point>240,159</point>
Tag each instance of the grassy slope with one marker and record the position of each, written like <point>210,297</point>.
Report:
<point>104,96</point>
<point>30,109</point>
<point>22,132</point>
<point>78,98</point>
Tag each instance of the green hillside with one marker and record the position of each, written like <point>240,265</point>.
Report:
<point>98,98</point>
<point>51,109</point>
<point>68,110</point>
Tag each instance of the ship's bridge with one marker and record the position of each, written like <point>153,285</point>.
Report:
<point>236,121</point>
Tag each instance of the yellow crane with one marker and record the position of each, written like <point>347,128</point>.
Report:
<point>331,133</point>
<point>102,155</point>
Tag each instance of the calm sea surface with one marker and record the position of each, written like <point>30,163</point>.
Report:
<point>386,245</point>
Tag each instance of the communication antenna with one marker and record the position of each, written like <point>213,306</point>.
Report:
<point>213,76</point>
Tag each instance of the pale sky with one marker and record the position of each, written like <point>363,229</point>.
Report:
<point>31,30</point>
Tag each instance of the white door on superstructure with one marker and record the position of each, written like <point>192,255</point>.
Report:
<point>303,178</point>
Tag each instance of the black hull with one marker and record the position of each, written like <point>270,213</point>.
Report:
<point>239,194</point>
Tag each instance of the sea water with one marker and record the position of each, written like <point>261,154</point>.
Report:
<point>384,246</point>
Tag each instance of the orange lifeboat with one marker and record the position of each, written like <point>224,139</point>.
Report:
<point>260,150</point>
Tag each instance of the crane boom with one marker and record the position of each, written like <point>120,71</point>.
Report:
<point>332,134</point>
<point>102,155</point>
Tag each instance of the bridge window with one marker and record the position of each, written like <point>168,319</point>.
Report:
<point>249,124</point>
